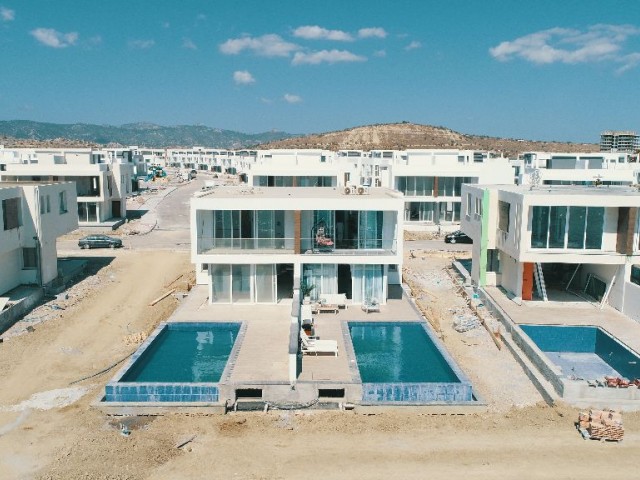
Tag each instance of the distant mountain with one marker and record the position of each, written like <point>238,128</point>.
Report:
<point>400,136</point>
<point>142,134</point>
<point>393,136</point>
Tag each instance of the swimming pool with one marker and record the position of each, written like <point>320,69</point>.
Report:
<point>585,352</point>
<point>179,362</point>
<point>404,362</point>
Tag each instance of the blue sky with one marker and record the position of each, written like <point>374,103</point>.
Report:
<point>547,70</point>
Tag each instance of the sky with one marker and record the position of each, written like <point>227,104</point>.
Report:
<point>541,70</point>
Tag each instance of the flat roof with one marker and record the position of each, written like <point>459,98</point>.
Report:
<point>562,190</point>
<point>294,192</point>
<point>29,184</point>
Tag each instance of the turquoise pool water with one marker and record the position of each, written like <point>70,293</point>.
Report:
<point>185,353</point>
<point>398,352</point>
<point>584,351</point>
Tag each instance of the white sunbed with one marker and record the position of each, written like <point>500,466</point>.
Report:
<point>313,345</point>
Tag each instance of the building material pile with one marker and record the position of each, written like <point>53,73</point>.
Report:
<point>601,425</point>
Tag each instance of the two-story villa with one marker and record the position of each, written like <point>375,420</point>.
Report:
<point>536,240</point>
<point>255,245</point>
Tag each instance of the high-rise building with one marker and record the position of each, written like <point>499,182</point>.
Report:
<point>619,141</point>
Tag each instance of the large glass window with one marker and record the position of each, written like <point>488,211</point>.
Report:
<point>265,283</point>
<point>575,227</point>
<point>221,283</point>
<point>577,221</point>
<point>557,226</point>
<point>240,283</point>
<point>370,229</point>
<point>595,226</point>
<point>323,279</point>
<point>368,283</point>
<point>539,227</point>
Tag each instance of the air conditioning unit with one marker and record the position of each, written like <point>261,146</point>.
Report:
<point>347,190</point>
<point>362,190</point>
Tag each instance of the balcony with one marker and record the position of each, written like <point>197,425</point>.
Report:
<point>308,246</point>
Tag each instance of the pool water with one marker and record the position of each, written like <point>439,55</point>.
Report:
<point>402,363</point>
<point>190,352</point>
<point>586,352</point>
<point>400,352</point>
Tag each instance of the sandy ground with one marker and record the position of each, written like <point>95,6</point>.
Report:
<point>49,431</point>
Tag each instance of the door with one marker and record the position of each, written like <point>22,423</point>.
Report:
<point>527,281</point>
<point>115,208</point>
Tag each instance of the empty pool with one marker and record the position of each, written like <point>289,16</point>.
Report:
<point>179,362</point>
<point>404,362</point>
<point>584,352</point>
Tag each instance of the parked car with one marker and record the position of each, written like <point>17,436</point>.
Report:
<point>457,237</point>
<point>99,241</point>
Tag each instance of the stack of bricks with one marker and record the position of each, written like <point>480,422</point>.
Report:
<point>602,424</point>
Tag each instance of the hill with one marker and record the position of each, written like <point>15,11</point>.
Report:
<point>25,132</point>
<point>400,136</point>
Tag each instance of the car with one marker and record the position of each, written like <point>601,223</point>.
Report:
<point>457,237</point>
<point>99,241</point>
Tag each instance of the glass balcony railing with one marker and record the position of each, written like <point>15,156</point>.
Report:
<point>308,246</point>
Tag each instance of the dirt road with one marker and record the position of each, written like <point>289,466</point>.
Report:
<point>52,435</point>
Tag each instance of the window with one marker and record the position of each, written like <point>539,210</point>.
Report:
<point>469,203</point>
<point>493,260</point>
<point>478,208</point>
<point>11,217</point>
<point>43,206</point>
<point>575,227</point>
<point>635,274</point>
<point>504,209</point>
<point>29,258</point>
<point>62,200</point>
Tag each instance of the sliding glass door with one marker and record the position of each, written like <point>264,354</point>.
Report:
<point>368,284</point>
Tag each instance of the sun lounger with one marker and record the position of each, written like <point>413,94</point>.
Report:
<point>371,306</point>
<point>316,346</point>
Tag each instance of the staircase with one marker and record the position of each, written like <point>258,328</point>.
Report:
<point>539,276</point>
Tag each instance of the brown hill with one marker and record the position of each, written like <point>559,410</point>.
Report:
<point>401,136</point>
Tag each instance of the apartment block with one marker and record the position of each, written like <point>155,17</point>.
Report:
<point>32,217</point>
<point>256,245</point>
<point>619,141</point>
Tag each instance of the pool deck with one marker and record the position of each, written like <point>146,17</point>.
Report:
<point>263,355</point>
<point>576,312</point>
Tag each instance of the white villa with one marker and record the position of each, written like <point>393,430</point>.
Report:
<point>32,216</point>
<point>567,168</point>
<point>256,245</point>
<point>539,241</point>
<point>103,178</point>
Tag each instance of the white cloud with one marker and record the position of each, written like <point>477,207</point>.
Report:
<point>315,32</point>
<point>290,98</point>
<point>7,14</point>
<point>376,32</point>
<point>380,53</point>
<point>326,56</point>
<point>266,100</point>
<point>563,45</point>
<point>270,45</point>
<point>53,38</point>
<point>95,40</point>
<point>243,77</point>
<point>188,43</point>
<point>166,25</point>
<point>413,45</point>
<point>141,44</point>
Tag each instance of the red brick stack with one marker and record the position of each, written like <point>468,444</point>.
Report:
<point>602,424</point>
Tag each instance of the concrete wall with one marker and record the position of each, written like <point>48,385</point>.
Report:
<point>11,265</point>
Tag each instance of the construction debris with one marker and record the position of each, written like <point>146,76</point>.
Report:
<point>463,322</point>
<point>134,339</point>
<point>161,297</point>
<point>601,425</point>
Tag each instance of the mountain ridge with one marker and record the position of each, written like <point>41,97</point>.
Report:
<point>389,136</point>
